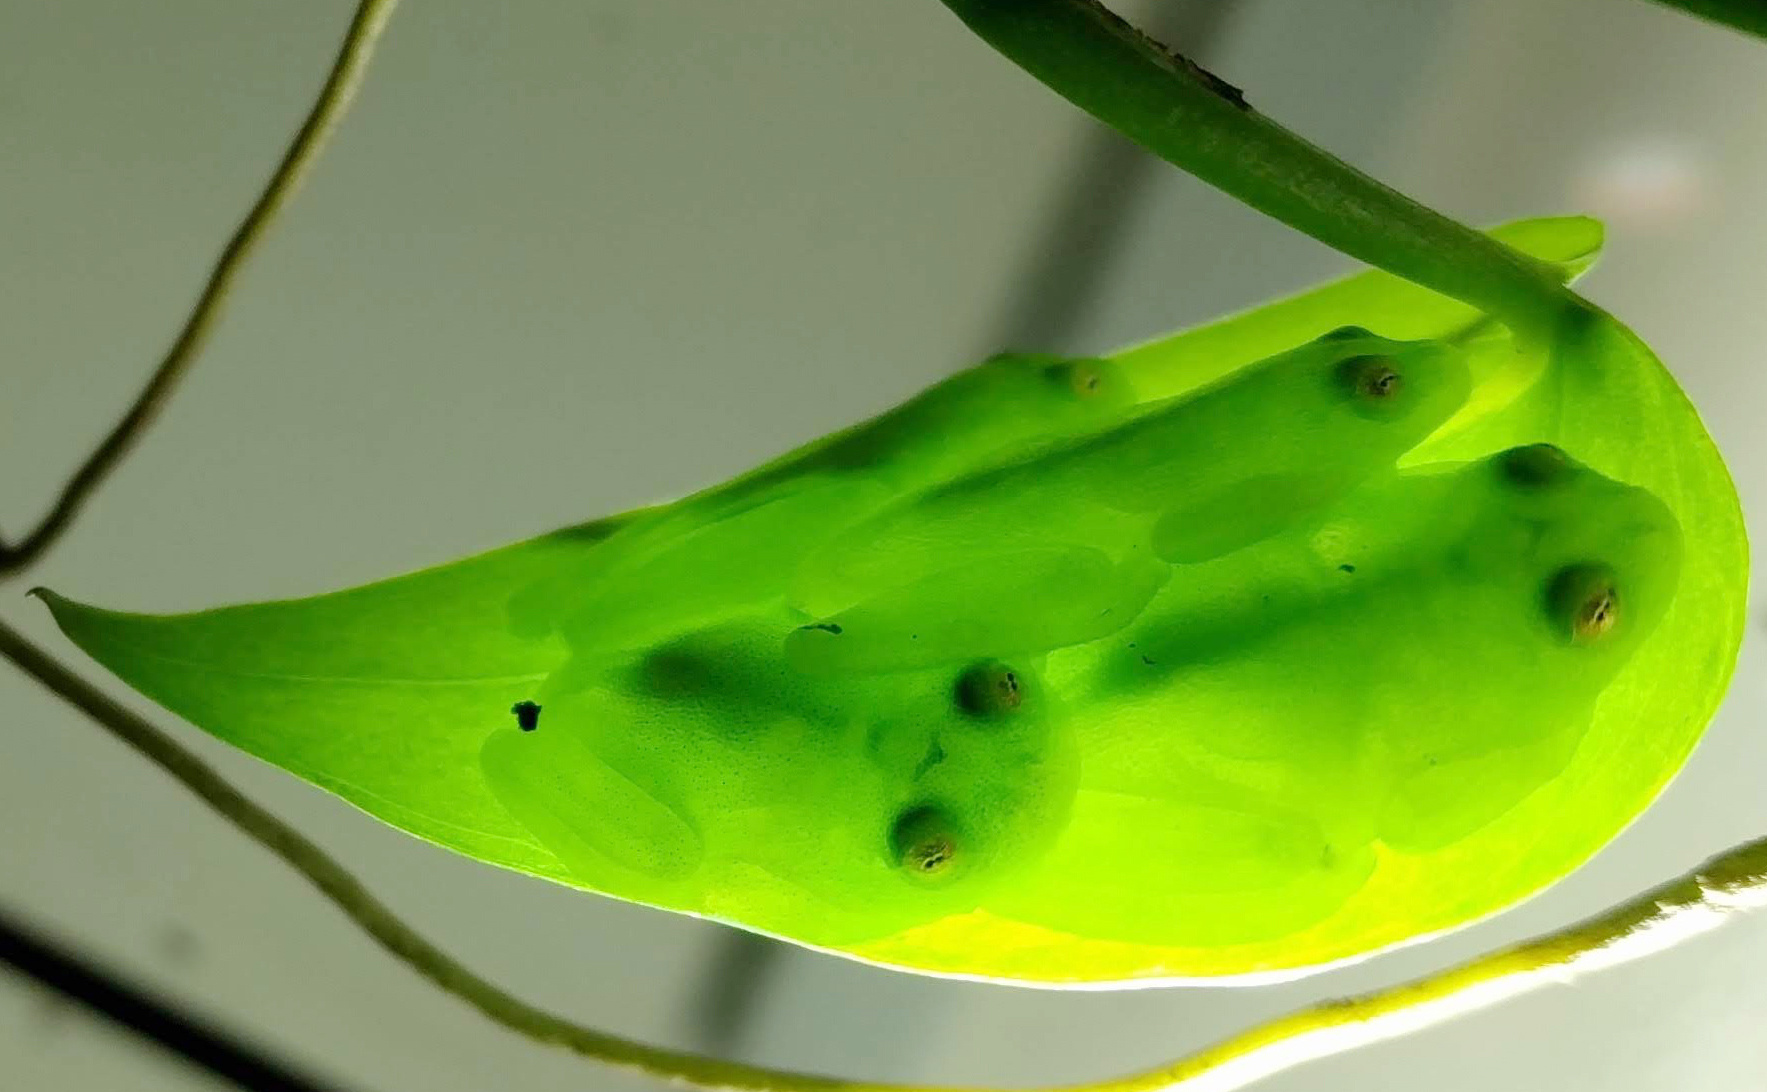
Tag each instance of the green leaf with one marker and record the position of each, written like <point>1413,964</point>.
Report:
<point>401,697</point>
<point>382,694</point>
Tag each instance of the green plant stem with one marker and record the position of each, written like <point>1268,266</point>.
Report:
<point>1651,922</point>
<point>334,99</point>
<point>1195,121</point>
<point>1748,16</point>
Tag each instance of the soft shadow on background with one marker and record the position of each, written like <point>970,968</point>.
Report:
<point>570,257</point>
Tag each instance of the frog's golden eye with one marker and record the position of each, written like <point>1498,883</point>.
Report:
<point>925,844</point>
<point>1534,466</point>
<point>1584,602</point>
<point>1085,378</point>
<point>1371,379</point>
<point>989,689</point>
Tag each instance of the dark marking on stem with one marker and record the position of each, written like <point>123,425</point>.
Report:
<point>1175,60</point>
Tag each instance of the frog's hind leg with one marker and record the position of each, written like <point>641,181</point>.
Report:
<point>616,828</point>
<point>1021,602</point>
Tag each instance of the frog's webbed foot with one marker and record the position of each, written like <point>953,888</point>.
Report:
<point>1440,800</point>
<point>1181,872</point>
<point>613,828</point>
<point>1023,602</point>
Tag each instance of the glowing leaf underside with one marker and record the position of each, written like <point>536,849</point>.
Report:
<point>1258,647</point>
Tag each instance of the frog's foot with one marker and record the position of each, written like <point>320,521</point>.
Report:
<point>612,828</point>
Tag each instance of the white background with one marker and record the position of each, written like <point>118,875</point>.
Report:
<point>569,257</point>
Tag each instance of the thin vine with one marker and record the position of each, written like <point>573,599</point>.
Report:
<point>297,161</point>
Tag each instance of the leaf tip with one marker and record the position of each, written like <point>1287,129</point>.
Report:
<point>60,606</point>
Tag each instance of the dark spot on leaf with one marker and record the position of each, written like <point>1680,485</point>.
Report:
<point>527,715</point>
<point>826,627</point>
<point>1346,567</point>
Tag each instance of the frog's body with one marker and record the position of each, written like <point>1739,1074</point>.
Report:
<point>1027,679</point>
<point>1392,669</point>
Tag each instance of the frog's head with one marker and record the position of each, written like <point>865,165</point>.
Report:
<point>1407,388</point>
<point>979,778</point>
<point>1589,565</point>
<point>1556,575</point>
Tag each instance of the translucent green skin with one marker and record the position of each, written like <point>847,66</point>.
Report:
<point>1025,653</point>
<point>1294,660</point>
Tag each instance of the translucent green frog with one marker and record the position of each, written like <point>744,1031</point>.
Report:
<point>1244,652</point>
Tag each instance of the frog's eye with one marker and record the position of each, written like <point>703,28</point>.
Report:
<point>989,689</point>
<point>925,844</point>
<point>1085,378</point>
<point>1534,466</point>
<point>1371,380</point>
<point>1583,602</point>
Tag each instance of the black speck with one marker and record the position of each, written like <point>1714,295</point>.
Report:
<point>1146,661</point>
<point>1346,568</point>
<point>1220,86</point>
<point>826,627</point>
<point>527,715</point>
<point>1177,61</point>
